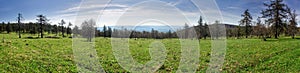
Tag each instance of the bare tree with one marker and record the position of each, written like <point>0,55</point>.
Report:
<point>19,24</point>
<point>292,27</point>
<point>88,29</point>
<point>260,29</point>
<point>75,31</point>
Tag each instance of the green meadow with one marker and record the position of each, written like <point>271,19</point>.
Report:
<point>56,55</point>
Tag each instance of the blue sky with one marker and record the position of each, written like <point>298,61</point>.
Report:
<point>132,12</point>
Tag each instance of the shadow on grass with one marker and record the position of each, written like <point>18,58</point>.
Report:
<point>30,37</point>
<point>50,37</point>
<point>281,39</point>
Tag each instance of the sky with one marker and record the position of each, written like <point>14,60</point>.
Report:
<point>134,12</point>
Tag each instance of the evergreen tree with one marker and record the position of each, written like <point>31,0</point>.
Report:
<point>109,31</point>
<point>275,13</point>
<point>42,20</point>
<point>206,31</point>
<point>246,21</point>
<point>69,29</point>
<point>62,22</point>
<point>8,27</point>
<point>2,27</point>
<point>200,28</point>
<point>170,34</point>
<point>104,31</point>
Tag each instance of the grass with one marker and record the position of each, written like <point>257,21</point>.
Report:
<point>56,55</point>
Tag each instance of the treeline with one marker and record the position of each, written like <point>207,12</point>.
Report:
<point>276,20</point>
<point>108,32</point>
<point>32,28</point>
<point>41,27</point>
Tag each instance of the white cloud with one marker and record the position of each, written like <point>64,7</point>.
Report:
<point>175,3</point>
<point>139,12</point>
<point>91,7</point>
<point>233,7</point>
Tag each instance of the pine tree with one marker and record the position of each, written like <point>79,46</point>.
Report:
<point>69,30</point>
<point>170,34</point>
<point>2,27</point>
<point>104,31</point>
<point>275,13</point>
<point>42,20</point>
<point>8,28</point>
<point>109,31</point>
<point>200,28</point>
<point>246,21</point>
<point>62,23</point>
<point>206,30</point>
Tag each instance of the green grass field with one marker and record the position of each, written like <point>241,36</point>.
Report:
<point>56,55</point>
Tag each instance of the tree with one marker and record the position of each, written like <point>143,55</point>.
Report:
<point>42,20</point>
<point>169,34</point>
<point>153,35</point>
<point>75,31</point>
<point>62,22</point>
<point>8,28</point>
<point>104,31</point>
<point>200,28</point>
<point>260,29</point>
<point>246,21</point>
<point>55,29</point>
<point>275,13</point>
<point>19,24</point>
<point>186,29</point>
<point>206,30</point>
<point>216,30</point>
<point>69,29</point>
<point>109,32</point>
<point>292,27</point>
<point>2,27</point>
<point>88,29</point>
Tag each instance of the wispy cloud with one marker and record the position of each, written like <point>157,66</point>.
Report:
<point>174,11</point>
<point>175,2</point>
<point>92,7</point>
<point>233,7</point>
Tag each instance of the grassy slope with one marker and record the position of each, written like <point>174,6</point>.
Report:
<point>56,55</point>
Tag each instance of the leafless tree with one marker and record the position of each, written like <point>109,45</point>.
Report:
<point>88,29</point>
